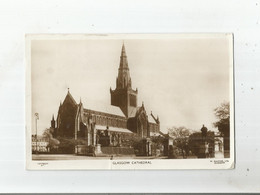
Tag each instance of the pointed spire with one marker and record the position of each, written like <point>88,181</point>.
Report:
<point>80,101</point>
<point>53,122</point>
<point>68,89</point>
<point>123,80</point>
<point>123,50</point>
<point>123,58</point>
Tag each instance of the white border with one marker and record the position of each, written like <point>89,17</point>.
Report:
<point>151,16</point>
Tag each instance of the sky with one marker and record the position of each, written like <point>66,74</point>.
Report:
<point>180,78</point>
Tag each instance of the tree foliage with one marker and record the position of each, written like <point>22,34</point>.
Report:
<point>223,124</point>
<point>223,114</point>
<point>158,139</point>
<point>181,137</point>
<point>48,134</point>
<point>197,142</point>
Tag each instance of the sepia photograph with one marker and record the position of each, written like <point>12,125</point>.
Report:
<point>130,101</point>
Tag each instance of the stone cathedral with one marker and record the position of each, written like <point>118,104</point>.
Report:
<point>111,126</point>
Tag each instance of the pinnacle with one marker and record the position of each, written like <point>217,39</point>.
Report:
<point>123,53</point>
<point>123,50</point>
<point>123,60</point>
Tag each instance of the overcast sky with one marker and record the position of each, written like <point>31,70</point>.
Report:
<point>181,79</point>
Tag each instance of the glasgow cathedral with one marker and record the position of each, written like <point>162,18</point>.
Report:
<point>123,119</point>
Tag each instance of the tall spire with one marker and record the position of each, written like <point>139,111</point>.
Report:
<point>123,79</point>
<point>123,58</point>
<point>124,96</point>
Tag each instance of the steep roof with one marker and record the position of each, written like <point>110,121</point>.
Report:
<point>69,98</point>
<point>150,118</point>
<point>133,112</point>
<point>101,107</point>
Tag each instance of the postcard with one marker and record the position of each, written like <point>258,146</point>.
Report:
<point>129,101</point>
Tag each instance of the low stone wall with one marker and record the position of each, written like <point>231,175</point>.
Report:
<point>84,150</point>
<point>118,151</point>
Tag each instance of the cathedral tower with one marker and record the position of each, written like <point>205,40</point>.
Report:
<point>124,96</point>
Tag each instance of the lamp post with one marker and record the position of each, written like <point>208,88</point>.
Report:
<point>36,118</point>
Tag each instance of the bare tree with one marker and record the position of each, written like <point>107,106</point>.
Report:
<point>181,137</point>
<point>223,124</point>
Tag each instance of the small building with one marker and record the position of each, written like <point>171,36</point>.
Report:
<point>40,144</point>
